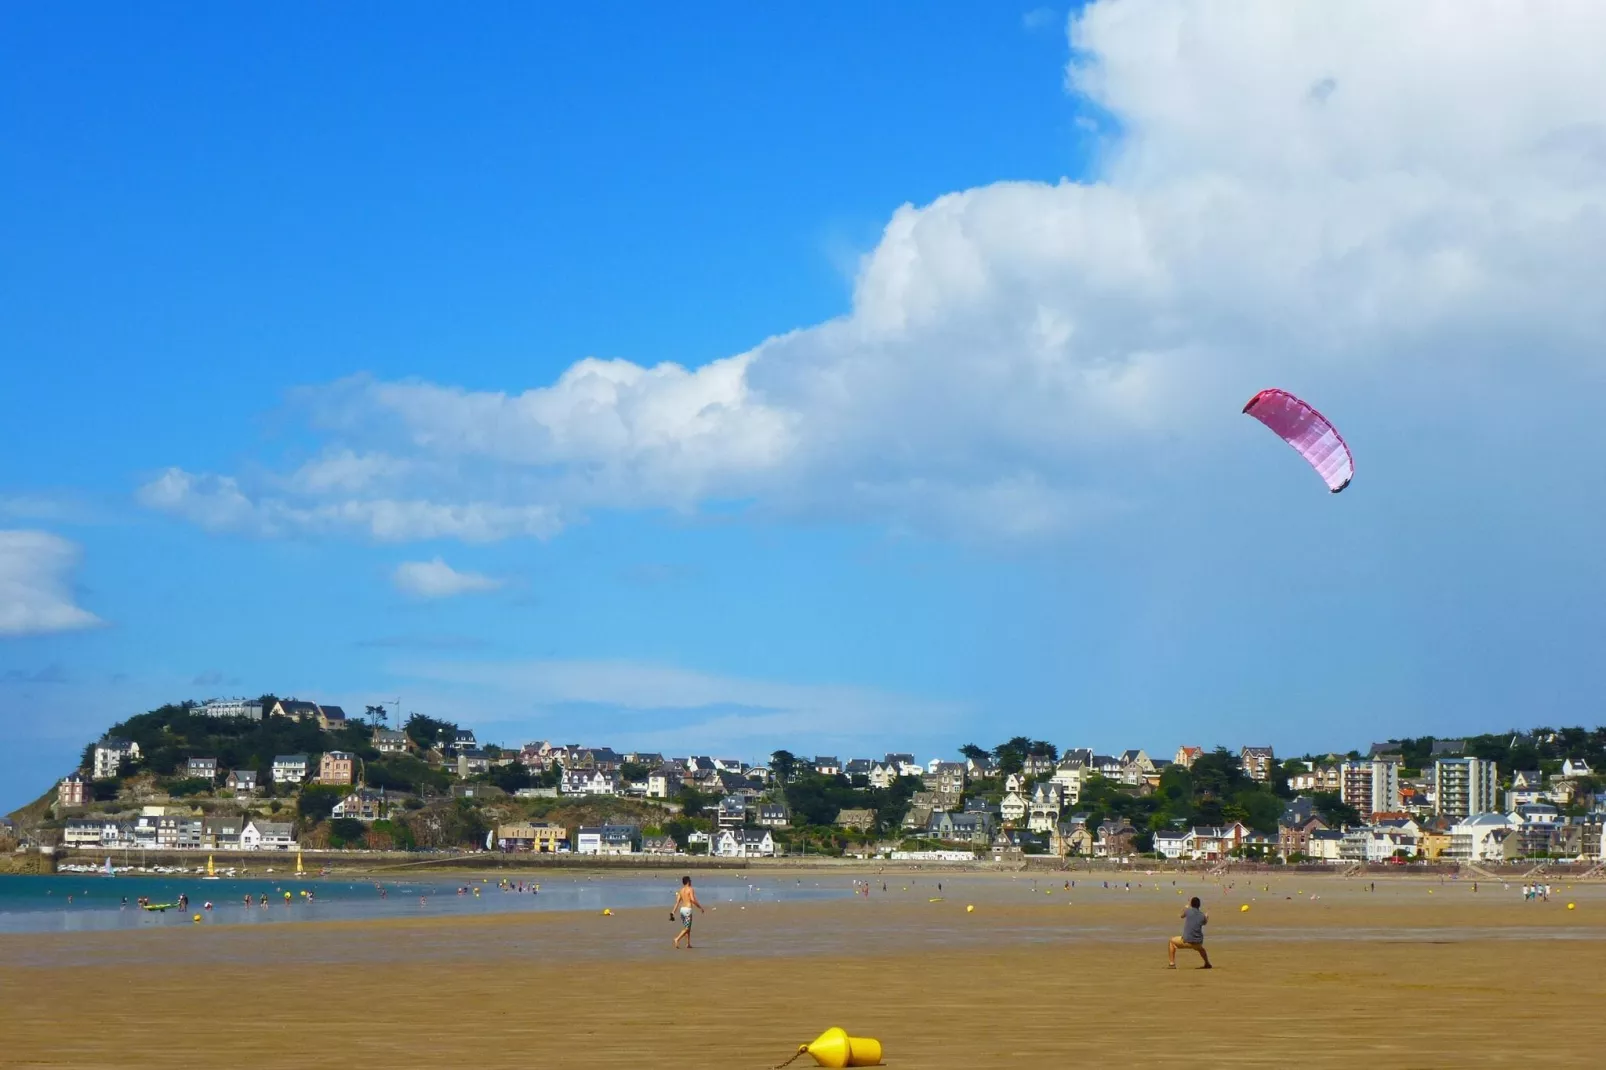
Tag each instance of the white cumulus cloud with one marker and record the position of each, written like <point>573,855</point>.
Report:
<point>437,579</point>
<point>1335,198</point>
<point>35,598</point>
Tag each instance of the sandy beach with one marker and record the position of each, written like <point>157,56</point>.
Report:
<point>1418,973</point>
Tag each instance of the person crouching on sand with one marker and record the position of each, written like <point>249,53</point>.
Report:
<point>1193,923</point>
<point>685,899</point>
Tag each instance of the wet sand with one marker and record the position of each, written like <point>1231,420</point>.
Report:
<point>1418,974</point>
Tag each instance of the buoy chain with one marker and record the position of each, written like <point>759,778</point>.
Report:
<point>800,1051</point>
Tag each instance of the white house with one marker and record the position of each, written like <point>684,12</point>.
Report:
<point>605,840</point>
<point>93,832</point>
<point>663,783</point>
<point>744,843</point>
<point>1572,767</point>
<point>259,835</point>
<point>109,754</point>
<point>238,709</point>
<point>289,768</point>
<point>1068,778</point>
<point>1014,807</point>
<point>1044,814</point>
<point>1480,838</point>
<point>1324,845</point>
<point>1172,844</point>
<point>591,782</point>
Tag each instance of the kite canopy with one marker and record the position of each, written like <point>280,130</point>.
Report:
<point>1308,432</point>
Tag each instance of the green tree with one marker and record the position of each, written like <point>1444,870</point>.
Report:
<point>1333,810</point>
<point>427,732</point>
<point>973,752</point>
<point>346,832</point>
<point>376,715</point>
<point>783,764</point>
<point>633,772</point>
<point>316,802</point>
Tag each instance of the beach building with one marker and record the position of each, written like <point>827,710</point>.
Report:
<point>540,837</point>
<point>260,835</point>
<point>1463,787</point>
<point>605,840</point>
<point>222,833</point>
<point>659,845</point>
<point>744,843</point>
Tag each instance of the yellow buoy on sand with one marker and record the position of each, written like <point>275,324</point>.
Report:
<point>834,1048</point>
<point>607,912</point>
<point>196,919</point>
<point>970,908</point>
<point>1572,906</point>
<point>1244,909</point>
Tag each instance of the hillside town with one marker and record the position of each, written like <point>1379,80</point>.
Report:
<point>211,777</point>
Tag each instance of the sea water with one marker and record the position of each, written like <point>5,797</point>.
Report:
<point>87,903</point>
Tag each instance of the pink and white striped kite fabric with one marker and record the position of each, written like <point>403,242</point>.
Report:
<point>1309,432</point>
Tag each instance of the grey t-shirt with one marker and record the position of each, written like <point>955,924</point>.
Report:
<point>1193,923</point>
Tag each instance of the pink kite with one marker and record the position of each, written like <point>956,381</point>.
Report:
<point>1309,432</point>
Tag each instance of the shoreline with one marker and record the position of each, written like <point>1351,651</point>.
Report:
<point>343,864</point>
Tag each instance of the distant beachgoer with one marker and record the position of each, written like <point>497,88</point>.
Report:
<point>1193,923</point>
<point>685,900</point>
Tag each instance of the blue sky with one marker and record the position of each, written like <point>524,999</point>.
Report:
<point>295,305</point>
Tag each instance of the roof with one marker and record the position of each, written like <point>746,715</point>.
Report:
<point>272,828</point>
<point>1449,746</point>
<point>294,705</point>
<point>333,713</point>
<point>290,758</point>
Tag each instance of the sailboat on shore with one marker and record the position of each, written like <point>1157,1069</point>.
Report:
<point>107,870</point>
<point>211,873</point>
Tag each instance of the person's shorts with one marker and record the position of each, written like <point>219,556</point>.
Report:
<point>685,917</point>
<point>1189,944</point>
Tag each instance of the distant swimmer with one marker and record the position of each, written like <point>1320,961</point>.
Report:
<point>1193,923</point>
<point>685,900</point>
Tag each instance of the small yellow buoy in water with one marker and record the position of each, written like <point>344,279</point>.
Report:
<point>1244,909</point>
<point>834,1048</point>
<point>970,908</point>
<point>1571,906</point>
<point>196,919</point>
<point>607,912</point>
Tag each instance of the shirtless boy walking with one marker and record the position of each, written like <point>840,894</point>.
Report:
<point>685,899</point>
